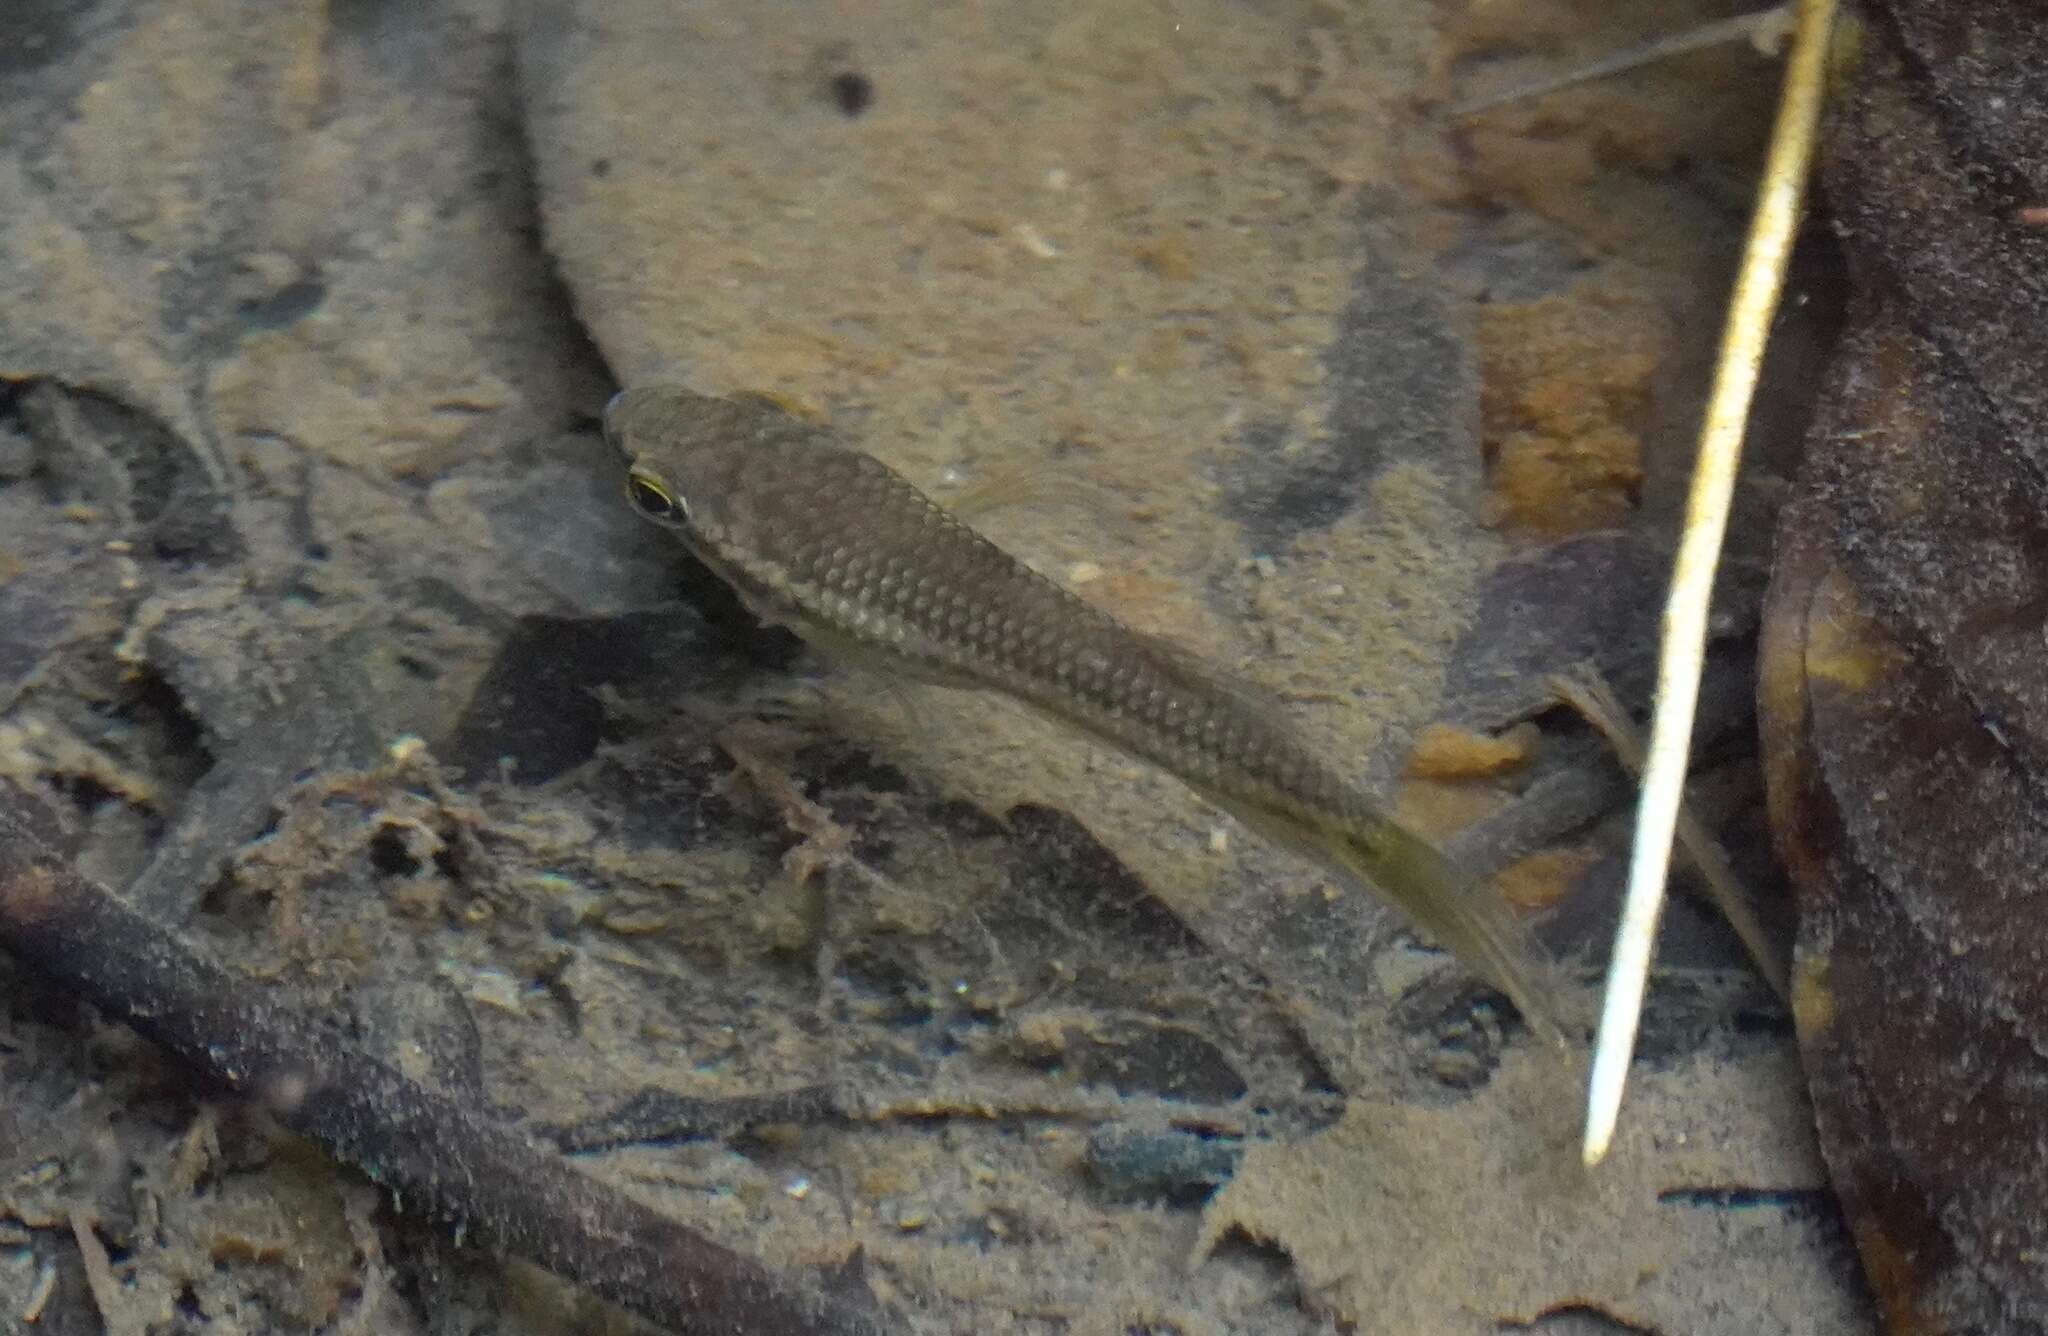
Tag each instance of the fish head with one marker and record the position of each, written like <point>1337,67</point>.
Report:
<point>690,462</point>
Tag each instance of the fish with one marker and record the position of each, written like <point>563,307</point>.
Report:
<point>816,535</point>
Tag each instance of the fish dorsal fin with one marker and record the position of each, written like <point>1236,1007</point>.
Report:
<point>786,404</point>
<point>1007,484</point>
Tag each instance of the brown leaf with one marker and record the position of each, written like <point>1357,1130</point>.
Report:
<point>1903,698</point>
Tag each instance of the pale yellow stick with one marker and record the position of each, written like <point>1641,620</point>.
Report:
<point>1771,236</point>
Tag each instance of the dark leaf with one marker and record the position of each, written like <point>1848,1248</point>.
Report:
<point>1904,698</point>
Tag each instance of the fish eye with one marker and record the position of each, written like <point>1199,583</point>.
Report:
<point>654,500</point>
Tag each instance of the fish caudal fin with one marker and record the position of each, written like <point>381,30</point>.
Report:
<point>1478,928</point>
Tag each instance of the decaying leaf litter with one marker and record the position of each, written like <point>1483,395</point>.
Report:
<point>1903,693</point>
<point>357,355</point>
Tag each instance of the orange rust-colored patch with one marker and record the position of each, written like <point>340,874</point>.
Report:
<point>1845,647</point>
<point>1435,808</point>
<point>1813,1001</point>
<point>1542,879</point>
<point>1148,603</point>
<point>1565,386</point>
<point>1557,485</point>
<point>1781,691</point>
<point>1893,1282</point>
<point>1446,753</point>
<point>1168,256</point>
<point>32,894</point>
<point>1533,167</point>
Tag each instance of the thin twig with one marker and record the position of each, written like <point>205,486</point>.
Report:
<point>1764,260</point>
<point>1588,693</point>
<point>435,1154</point>
<point>100,1281</point>
<point>825,843</point>
<point>655,1116</point>
<point>1763,30</point>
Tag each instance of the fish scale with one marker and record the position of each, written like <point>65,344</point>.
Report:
<point>829,541</point>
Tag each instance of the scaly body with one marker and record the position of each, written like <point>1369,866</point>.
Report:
<point>837,546</point>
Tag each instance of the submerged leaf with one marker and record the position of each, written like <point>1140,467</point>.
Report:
<point>1904,699</point>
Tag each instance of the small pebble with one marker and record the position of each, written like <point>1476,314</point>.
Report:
<point>1172,1166</point>
<point>39,1297</point>
<point>633,920</point>
<point>1032,240</point>
<point>38,1174</point>
<point>496,990</point>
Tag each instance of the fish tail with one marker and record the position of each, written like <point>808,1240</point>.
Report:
<point>1475,926</point>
